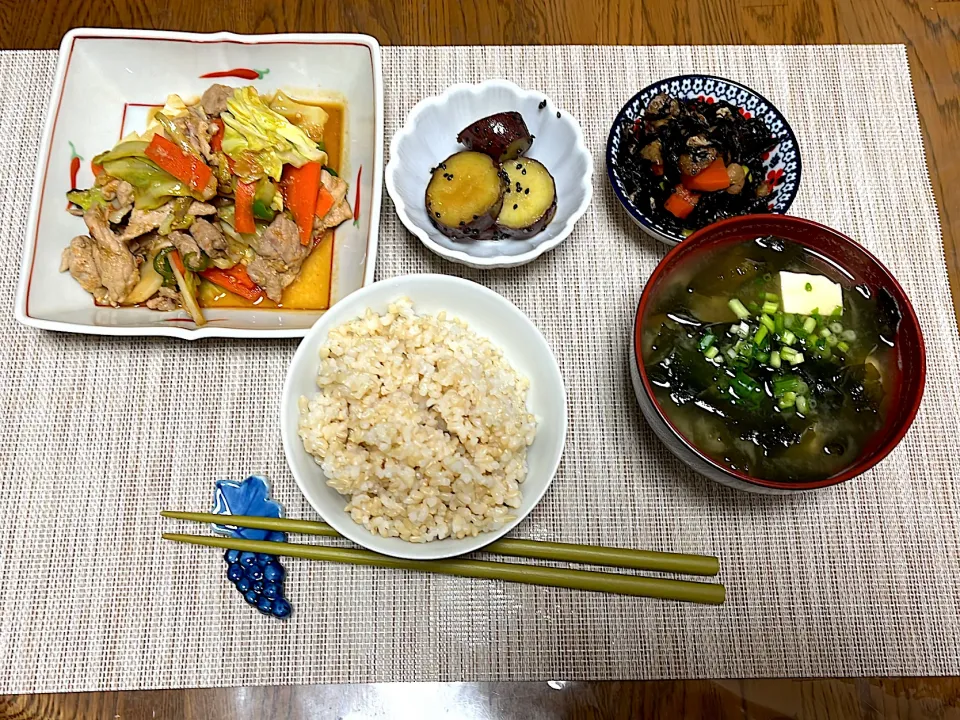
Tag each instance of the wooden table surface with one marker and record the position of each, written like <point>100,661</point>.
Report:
<point>928,28</point>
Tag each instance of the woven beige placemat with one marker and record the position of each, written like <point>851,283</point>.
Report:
<point>98,434</point>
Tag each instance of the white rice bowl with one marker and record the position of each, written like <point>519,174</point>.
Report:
<point>421,423</point>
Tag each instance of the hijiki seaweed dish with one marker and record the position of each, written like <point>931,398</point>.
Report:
<point>689,163</point>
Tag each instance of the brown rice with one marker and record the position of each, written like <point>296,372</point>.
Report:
<point>421,422</point>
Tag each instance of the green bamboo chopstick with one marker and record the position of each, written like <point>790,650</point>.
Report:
<point>682,590</point>
<point>563,552</point>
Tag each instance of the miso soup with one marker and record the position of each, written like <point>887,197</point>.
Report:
<point>771,360</point>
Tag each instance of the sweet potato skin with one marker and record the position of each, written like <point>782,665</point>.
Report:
<point>503,136</point>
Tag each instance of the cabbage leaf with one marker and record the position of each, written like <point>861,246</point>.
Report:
<point>260,140</point>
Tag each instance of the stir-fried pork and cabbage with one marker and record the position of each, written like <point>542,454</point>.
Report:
<point>228,195</point>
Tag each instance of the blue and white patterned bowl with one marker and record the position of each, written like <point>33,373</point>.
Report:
<point>782,163</point>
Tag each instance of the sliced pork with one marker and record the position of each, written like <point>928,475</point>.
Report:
<point>214,99</point>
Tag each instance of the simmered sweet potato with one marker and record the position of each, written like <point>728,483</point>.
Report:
<point>530,201</point>
<point>503,136</point>
<point>464,196</point>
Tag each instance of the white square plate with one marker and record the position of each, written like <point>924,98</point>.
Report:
<point>106,79</point>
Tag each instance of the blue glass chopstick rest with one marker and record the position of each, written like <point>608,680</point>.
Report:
<point>257,576</point>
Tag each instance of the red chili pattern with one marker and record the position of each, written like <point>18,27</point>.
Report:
<point>356,200</point>
<point>242,73</point>
<point>74,168</point>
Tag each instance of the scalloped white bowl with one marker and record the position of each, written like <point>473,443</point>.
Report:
<point>489,315</point>
<point>430,135</point>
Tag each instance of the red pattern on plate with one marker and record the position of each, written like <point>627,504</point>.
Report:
<point>356,200</point>
<point>242,73</point>
<point>74,168</point>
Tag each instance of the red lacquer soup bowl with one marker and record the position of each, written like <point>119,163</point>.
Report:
<point>906,368</point>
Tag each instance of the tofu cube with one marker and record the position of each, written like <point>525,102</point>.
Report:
<point>805,294</point>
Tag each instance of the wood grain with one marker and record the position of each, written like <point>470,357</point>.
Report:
<point>866,699</point>
<point>930,30</point>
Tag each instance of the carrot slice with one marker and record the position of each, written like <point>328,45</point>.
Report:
<point>681,203</point>
<point>236,280</point>
<point>300,187</point>
<point>244,208</point>
<point>713,177</point>
<point>183,166</point>
<point>216,142</point>
<point>324,202</point>
<point>174,256</point>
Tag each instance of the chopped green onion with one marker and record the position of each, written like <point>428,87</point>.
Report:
<point>707,341</point>
<point>762,357</point>
<point>789,321</point>
<point>739,309</point>
<point>796,359</point>
<point>761,333</point>
<point>843,347</point>
<point>711,352</point>
<point>825,333</point>
<point>775,359</point>
<point>833,341</point>
<point>785,384</point>
<point>771,297</point>
<point>789,338</point>
<point>787,400</point>
<point>768,323</point>
<point>769,307</point>
<point>836,328</point>
<point>731,353</point>
<point>746,350</point>
<point>786,353</point>
<point>778,326</point>
<point>848,335</point>
<point>802,405</point>
<point>808,287</point>
<point>809,325</point>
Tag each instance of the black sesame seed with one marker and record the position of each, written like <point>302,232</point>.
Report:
<point>542,105</point>
<point>438,214</point>
<point>558,113</point>
<point>461,222</point>
<point>514,207</point>
<point>523,172</point>
<point>508,190</point>
<point>519,166</point>
<point>527,191</point>
<point>475,217</point>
